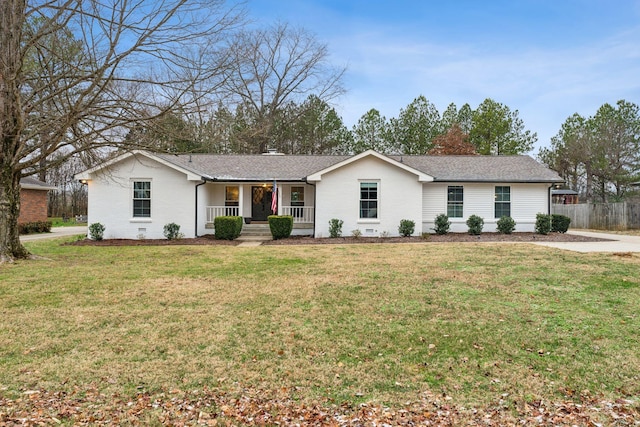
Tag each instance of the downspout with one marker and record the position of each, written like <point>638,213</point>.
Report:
<point>196,210</point>
<point>315,203</point>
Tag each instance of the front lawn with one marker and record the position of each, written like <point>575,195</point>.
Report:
<point>476,325</point>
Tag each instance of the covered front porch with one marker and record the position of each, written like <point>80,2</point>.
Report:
<point>254,201</point>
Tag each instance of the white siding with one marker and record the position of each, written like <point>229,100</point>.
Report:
<point>527,200</point>
<point>338,196</point>
<point>111,200</point>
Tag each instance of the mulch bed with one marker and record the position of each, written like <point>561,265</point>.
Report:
<point>445,238</point>
<point>203,240</point>
<point>306,240</point>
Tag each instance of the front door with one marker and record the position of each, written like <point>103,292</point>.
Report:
<point>260,203</point>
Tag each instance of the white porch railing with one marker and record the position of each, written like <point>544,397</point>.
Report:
<point>300,214</point>
<point>215,211</point>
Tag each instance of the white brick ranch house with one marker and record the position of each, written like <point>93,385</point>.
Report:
<point>137,193</point>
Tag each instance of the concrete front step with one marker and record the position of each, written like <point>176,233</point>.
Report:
<point>263,230</point>
<point>258,230</point>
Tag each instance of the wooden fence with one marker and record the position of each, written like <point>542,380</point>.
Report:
<point>601,216</point>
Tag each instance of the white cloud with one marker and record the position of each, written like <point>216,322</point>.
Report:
<point>545,85</point>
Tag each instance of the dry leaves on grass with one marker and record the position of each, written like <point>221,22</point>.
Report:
<point>254,407</point>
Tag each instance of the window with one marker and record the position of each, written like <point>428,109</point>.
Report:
<point>502,202</point>
<point>368,200</point>
<point>454,201</point>
<point>297,202</point>
<point>297,196</point>
<point>231,200</point>
<point>231,196</point>
<point>142,199</point>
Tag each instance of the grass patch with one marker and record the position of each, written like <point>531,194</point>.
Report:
<point>349,323</point>
<point>70,222</point>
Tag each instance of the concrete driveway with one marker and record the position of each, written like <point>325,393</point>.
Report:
<point>616,243</point>
<point>56,232</point>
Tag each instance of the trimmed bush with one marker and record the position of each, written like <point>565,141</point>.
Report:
<point>356,233</point>
<point>506,225</point>
<point>543,223</point>
<point>406,228</point>
<point>280,226</point>
<point>172,231</point>
<point>96,231</point>
<point>35,227</point>
<point>475,224</point>
<point>335,227</point>
<point>560,223</point>
<point>227,227</point>
<point>442,224</point>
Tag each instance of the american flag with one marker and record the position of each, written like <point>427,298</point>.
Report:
<point>274,198</point>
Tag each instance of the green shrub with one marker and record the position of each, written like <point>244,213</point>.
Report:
<point>335,227</point>
<point>35,227</point>
<point>442,224</point>
<point>506,225</point>
<point>96,231</point>
<point>280,226</point>
<point>227,227</point>
<point>406,228</point>
<point>172,231</point>
<point>560,223</point>
<point>543,223</point>
<point>475,224</point>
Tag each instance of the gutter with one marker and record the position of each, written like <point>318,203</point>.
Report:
<point>204,181</point>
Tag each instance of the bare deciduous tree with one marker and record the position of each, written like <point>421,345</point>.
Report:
<point>274,67</point>
<point>77,75</point>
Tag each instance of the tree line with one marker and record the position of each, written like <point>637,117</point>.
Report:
<point>314,127</point>
<point>599,156</point>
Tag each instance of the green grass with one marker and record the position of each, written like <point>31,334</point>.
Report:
<point>70,222</point>
<point>352,323</point>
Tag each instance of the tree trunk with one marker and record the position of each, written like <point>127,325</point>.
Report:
<point>589,183</point>
<point>11,127</point>
<point>10,246</point>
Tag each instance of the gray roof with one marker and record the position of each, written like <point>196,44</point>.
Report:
<point>482,168</point>
<point>31,183</point>
<point>297,168</point>
<point>564,191</point>
<point>252,167</point>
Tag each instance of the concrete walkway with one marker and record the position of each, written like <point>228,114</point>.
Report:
<point>252,241</point>
<point>616,243</point>
<point>56,232</point>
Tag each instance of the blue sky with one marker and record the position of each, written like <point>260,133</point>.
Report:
<point>547,59</point>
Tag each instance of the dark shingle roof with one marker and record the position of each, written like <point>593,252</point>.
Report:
<point>297,168</point>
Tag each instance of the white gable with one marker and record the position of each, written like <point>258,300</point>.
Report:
<point>138,155</point>
<point>422,177</point>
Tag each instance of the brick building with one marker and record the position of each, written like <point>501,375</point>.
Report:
<point>33,200</point>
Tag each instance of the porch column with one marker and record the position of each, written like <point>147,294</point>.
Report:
<point>240,199</point>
